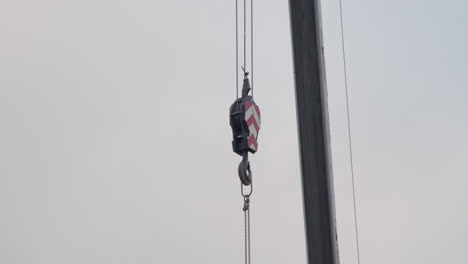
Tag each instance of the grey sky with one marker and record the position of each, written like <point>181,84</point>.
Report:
<point>115,140</point>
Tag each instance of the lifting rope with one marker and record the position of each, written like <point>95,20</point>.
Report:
<point>244,41</point>
<point>244,116</point>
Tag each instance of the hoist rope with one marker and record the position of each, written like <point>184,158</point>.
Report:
<point>245,41</point>
<point>237,52</point>
<point>244,66</point>
<point>356,230</point>
<point>251,45</point>
<point>246,197</point>
<point>247,231</point>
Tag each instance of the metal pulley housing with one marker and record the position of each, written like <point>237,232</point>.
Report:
<point>245,123</point>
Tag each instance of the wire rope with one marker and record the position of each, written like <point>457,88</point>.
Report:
<point>248,230</point>
<point>251,45</point>
<point>356,230</point>
<point>244,55</point>
<point>245,41</point>
<point>247,234</point>
<point>237,51</point>
<point>246,208</point>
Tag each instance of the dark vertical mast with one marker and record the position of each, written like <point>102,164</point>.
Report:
<point>313,129</point>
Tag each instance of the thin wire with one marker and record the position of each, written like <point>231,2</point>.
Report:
<point>245,235</point>
<point>245,51</point>
<point>251,45</point>
<point>349,134</point>
<point>237,52</point>
<point>249,230</point>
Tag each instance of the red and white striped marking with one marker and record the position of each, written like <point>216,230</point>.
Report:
<point>252,116</point>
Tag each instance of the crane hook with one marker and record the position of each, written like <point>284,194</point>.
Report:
<point>245,174</point>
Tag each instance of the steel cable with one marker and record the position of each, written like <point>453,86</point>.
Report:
<point>237,51</point>
<point>251,45</point>
<point>349,134</point>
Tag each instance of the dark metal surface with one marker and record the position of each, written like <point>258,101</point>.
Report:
<point>242,114</point>
<point>313,129</point>
<point>245,174</point>
<point>238,122</point>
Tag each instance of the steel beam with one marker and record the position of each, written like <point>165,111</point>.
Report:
<point>313,130</point>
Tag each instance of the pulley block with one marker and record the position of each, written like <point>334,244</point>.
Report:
<point>245,123</point>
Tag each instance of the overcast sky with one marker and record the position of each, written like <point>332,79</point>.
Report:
<point>115,145</point>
